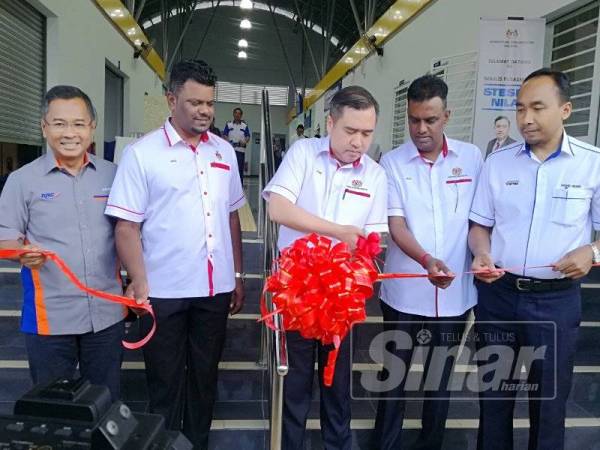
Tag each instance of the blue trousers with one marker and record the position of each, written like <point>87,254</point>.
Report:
<point>390,410</point>
<point>549,377</point>
<point>99,356</point>
<point>297,394</point>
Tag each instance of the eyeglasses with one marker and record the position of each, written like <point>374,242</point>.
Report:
<point>58,126</point>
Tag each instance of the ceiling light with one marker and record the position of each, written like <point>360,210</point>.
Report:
<point>243,43</point>
<point>131,32</point>
<point>117,13</point>
<point>242,54</point>
<point>138,42</point>
<point>349,60</point>
<point>246,24</point>
<point>246,4</point>
<point>361,51</point>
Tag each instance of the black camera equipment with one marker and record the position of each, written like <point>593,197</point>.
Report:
<point>74,414</point>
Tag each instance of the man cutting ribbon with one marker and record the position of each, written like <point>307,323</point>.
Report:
<point>331,187</point>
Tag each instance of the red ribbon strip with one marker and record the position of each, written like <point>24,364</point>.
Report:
<point>129,302</point>
<point>320,289</point>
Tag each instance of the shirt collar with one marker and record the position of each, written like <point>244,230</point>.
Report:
<point>51,163</point>
<point>564,147</point>
<point>172,136</point>
<point>326,148</point>
<point>446,149</point>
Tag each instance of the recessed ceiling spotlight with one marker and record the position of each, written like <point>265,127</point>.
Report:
<point>242,54</point>
<point>246,4</point>
<point>243,43</point>
<point>246,24</point>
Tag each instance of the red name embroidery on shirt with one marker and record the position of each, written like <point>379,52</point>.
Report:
<point>362,194</point>
<point>219,165</point>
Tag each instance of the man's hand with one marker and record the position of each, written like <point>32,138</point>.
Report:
<point>237,297</point>
<point>349,234</point>
<point>34,259</point>
<point>489,272</point>
<point>439,274</point>
<point>575,264</point>
<point>138,289</point>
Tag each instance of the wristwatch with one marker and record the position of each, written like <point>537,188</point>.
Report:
<point>596,252</point>
<point>240,275</point>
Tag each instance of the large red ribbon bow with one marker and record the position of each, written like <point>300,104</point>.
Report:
<point>320,290</point>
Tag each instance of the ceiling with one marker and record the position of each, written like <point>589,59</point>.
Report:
<point>334,15</point>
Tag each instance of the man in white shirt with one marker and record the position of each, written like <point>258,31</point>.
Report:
<point>431,182</point>
<point>176,195</point>
<point>331,187</point>
<point>299,134</point>
<point>535,205</point>
<point>237,132</point>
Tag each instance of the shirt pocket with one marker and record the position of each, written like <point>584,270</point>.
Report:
<point>570,206</point>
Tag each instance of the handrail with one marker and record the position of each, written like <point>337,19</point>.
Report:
<point>273,342</point>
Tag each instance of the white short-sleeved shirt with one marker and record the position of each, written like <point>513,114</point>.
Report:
<point>538,211</point>
<point>435,200</point>
<point>183,197</point>
<point>236,133</point>
<point>353,194</point>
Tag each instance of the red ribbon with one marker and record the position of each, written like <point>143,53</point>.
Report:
<point>129,302</point>
<point>320,289</point>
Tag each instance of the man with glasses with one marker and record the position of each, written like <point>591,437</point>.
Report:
<point>57,203</point>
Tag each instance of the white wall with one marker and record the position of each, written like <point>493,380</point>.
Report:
<point>447,27</point>
<point>80,40</point>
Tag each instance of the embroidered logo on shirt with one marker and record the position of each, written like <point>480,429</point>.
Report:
<point>512,182</point>
<point>49,195</point>
<point>218,155</point>
<point>457,171</point>
<point>173,161</point>
<point>356,183</point>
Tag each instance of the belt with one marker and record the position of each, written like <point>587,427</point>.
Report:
<point>528,284</point>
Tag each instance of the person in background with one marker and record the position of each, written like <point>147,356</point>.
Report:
<point>237,132</point>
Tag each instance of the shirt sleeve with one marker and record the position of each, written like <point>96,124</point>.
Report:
<point>247,131</point>
<point>288,179</point>
<point>237,198</point>
<point>377,219</point>
<point>129,195</point>
<point>13,220</point>
<point>596,208</point>
<point>482,209</point>
<point>395,206</point>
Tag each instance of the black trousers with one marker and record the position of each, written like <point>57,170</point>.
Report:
<point>99,356</point>
<point>544,320</point>
<point>182,361</point>
<point>298,388</point>
<point>241,158</point>
<point>391,407</point>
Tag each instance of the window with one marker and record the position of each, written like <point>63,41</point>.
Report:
<point>399,121</point>
<point>573,49</point>
<point>251,94</point>
<point>460,74</point>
